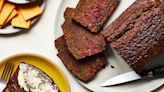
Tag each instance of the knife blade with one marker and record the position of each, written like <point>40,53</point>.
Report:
<point>132,76</point>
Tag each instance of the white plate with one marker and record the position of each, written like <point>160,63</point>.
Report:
<point>21,1</point>
<point>10,29</point>
<point>113,59</point>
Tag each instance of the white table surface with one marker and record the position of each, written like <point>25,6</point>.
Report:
<point>39,40</point>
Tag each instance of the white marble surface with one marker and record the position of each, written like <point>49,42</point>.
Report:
<point>39,40</point>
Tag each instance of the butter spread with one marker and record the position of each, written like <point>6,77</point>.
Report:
<point>32,79</point>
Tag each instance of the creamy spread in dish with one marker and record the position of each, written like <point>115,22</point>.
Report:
<point>32,79</point>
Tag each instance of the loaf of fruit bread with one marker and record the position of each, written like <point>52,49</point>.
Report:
<point>92,14</point>
<point>84,69</point>
<point>81,43</point>
<point>28,78</point>
<point>138,34</point>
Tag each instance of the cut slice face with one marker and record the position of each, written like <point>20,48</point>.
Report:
<point>85,69</point>
<point>81,43</point>
<point>92,14</point>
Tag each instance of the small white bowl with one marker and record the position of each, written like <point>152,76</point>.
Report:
<point>21,1</point>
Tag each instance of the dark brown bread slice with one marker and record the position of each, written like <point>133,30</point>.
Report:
<point>81,43</point>
<point>138,36</point>
<point>92,14</point>
<point>84,69</point>
<point>13,84</point>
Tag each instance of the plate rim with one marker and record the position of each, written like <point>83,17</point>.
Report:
<point>42,57</point>
<point>20,2</point>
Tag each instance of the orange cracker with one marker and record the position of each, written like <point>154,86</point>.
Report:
<point>1,4</point>
<point>19,21</point>
<point>30,12</point>
<point>5,12</point>
<point>13,14</point>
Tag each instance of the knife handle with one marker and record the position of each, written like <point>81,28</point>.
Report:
<point>154,72</point>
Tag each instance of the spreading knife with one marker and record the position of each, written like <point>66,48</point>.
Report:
<point>132,76</point>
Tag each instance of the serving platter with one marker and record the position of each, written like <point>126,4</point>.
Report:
<point>114,60</point>
<point>43,64</point>
<point>10,30</point>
